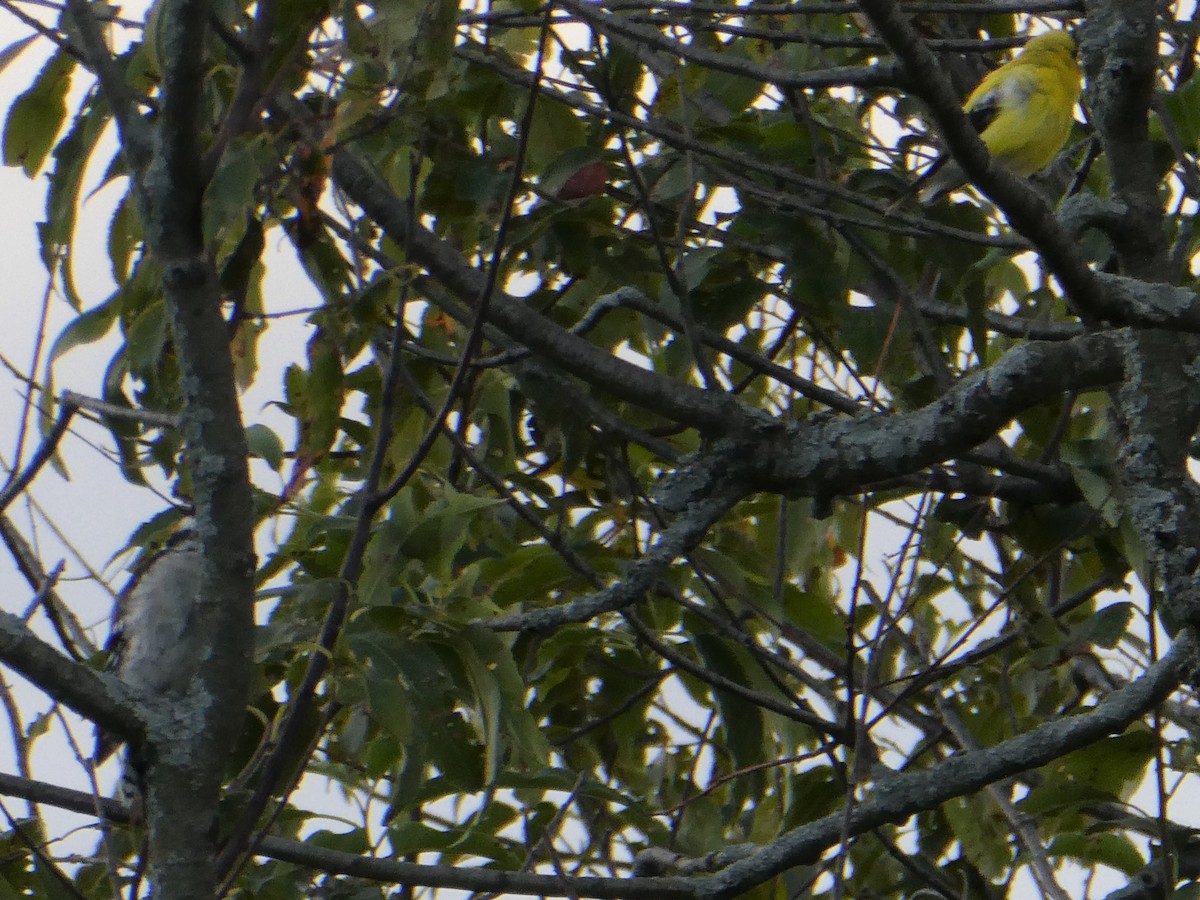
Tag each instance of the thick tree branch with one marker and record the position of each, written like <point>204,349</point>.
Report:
<point>824,458</point>
<point>1120,55</point>
<point>1159,409</point>
<point>93,695</point>
<point>173,183</point>
<point>478,879</point>
<point>189,736</point>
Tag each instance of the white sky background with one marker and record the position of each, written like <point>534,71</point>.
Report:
<point>97,509</point>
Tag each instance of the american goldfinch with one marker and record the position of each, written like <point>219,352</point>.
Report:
<point>1023,112</point>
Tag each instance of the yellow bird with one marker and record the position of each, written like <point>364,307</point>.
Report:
<point>1023,112</point>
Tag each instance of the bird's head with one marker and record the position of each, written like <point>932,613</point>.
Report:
<point>1056,43</point>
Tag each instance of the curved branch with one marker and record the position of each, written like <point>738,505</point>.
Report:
<point>898,797</point>
<point>680,537</point>
<point>825,458</point>
<point>719,682</point>
<point>18,482</point>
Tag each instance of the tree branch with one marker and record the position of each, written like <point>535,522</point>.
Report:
<point>189,735</point>
<point>98,697</point>
<point>1021,204</point>
<point>1120,53</point>
<point>607,22</point>
<point>824,458</point>
<point>337,862</point>
<point>679,538</point>
<point>898,797</point>
<point>701,409</point>
<point>136,137</point>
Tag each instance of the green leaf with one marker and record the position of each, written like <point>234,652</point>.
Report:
<point>1183,105</point>
<point>530,744</point>
<point>742,722</point>
<point>390,707</point>
<point>266,445</point>
<point>1106,626</point>
<point>37,116</point>
<point>7,891</point>
<point>1100,493</point>
<point>983,836</point>
<point>555,131</point>
<point>415,41</point>
<point>53,883</point>
<point>353,841</point>
<point>674,182</point>
<point>444,529</point>
<point>10,53</point>
<point>86,328</point>
<point>525,573</point>
<point>124,236</point>
<point>1112,767</point>
<point>1103,849</point>
<point>147,333</point>
<point>454,843</point>
<point>441,736</point>
<point>486,692</point>
<point>71,158</point>
<point>230,194</point>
